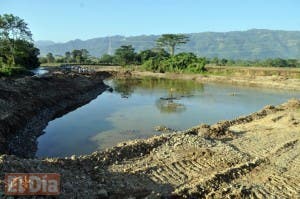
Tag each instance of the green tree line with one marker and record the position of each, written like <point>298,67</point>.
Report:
<point>17,51</point>
<point>163,58</point>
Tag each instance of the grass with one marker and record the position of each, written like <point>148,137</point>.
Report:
<point>10,71</point>
<point>51,65</point>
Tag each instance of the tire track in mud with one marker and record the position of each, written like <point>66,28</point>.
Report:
<point>256,156</point>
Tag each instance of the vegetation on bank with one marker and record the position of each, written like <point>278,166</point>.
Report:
<point>160,60</point>
<point>18,54</point>
<point>255,44</point>
<point>17,51</point>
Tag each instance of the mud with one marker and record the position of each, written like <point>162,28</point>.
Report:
<point>254,156</point>
<point>27,104</point>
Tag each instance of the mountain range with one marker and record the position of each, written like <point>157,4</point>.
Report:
<point>251,44</point>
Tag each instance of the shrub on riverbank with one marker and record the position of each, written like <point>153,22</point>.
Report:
<point>6,71</point>
<point>182,62</point>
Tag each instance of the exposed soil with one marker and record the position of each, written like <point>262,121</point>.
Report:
<point>281,78</point>
<point>279,82</point>
<point>27,104</point>
<point>256,156</point>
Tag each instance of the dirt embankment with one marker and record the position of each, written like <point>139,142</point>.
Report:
<point>255,156</point>
<point>28,104</point>
<point>278,82</point>
<point>279,78</point>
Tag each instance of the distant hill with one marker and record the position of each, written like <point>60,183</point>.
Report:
<point>44,43</point>
<point>251,44</point>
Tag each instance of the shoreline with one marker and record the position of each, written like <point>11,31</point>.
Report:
<point>29,103</point>
<point>229,158</point>
<point>275,82</point>
<point>249,156</point>
<point>253,77</point>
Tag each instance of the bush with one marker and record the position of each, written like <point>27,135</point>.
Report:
<point>7,71</point>
<point>197,67</point>
<point>183,62</point>
<point>179,62</point>
<point>154,64</point>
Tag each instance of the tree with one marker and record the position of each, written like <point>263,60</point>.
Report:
<point>223,62</point>
<point>68,56</point>
<point>153,53</point>
<point>26,54</point>
<point>171,41</point>
<point>84,55</point>
<point>77,55</point>
<point>12,29</point>
<point>43,60</point>
<point>80,55</point>
<point>50,58</point>
<point>106,59</point>
<point>125,55</point>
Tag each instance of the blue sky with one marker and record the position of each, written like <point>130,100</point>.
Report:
<point>63,20</point>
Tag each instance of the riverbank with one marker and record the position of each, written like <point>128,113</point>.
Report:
<point>27,104</point>
<point>255,156</point>
<point>278,78</point>
<point>252,156</point>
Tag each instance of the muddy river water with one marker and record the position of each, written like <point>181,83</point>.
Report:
<point>136,106</point>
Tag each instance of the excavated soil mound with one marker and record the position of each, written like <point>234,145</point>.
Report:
<point>256,156</point>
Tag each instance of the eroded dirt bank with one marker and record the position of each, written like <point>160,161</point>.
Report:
<point>279,82</point>
<point>255,156</point>
<point>28,104</point>
<point>279,78</point>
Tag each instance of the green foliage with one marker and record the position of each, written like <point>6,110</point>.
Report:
<point>6,71</point>
<point>17,52</point>
<point>179,62</point>
<point>106,59</point>
<point>26,54</point>
<point>153,53</point>
<point>126,86</point>
<point>76,56</point>
<point>9,71</point>
<point>125,55</point>
<point>12,30</point>
<point>79,56</point>
<point>50,58</point>
<point>68,57</point>
<point>247,45</point>
<point>183,62</point>
<point>278,62</point>
<point>154,64</point>
<point>171,41</point>
<point>198,67</point>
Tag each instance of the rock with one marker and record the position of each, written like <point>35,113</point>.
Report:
<point>102,193</point>
<point>73,157</point>
<point>68,186</point>
<point>163,129</point>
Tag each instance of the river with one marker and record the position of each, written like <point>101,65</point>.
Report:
<point>136,106</point>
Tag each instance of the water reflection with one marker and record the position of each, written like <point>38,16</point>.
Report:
<point>169,106</point>
<point>172,91</point>
<point>138,105</point>
<point>177,87</point>
<point>39,71</point>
